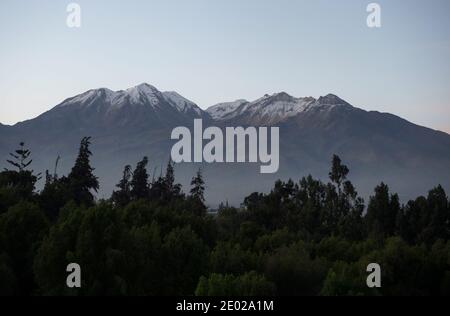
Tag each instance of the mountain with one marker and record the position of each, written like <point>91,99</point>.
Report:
<point>126,125</point>
<point>270,109</point>
<point>139,106</point>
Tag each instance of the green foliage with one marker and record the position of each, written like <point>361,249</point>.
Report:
<point>248,284</point>
<point>8,280</point>
<point>123,196</point>
<point>230,258</point>
<point>185,259</point>
<point>57,251</point>
<point>301,238</point>
<point>382,212</point>
<point>346,279</point>
<point>22,228</point>
<point>295,272</point>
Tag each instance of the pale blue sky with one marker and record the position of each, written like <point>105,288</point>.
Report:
<point>212,51</point>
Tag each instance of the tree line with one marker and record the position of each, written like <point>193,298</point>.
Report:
<point>150,238</point>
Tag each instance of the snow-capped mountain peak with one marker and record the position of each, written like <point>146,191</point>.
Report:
<point>331,100</point>
<point>140,95</point>
<point>271,109</point>
<point>222,110</point>
<point>181,103</point>
<point>89,97</point>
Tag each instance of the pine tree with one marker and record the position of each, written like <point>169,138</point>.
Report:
<point>123,196</point>
<point>81,178</point>
<point>170,175</point>
<point>21,181</point>
<point>139,182</point>
<point>21,157</point>
<point>172,189</point>
<point>198,187</point>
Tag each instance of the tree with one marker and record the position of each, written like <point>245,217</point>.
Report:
<point>169,179</point>
<point>248,284</point>
<point>81,178</point>
<point>185,260</point>
<point>198,187</point>
<point>8,280</point>
<point>171,189</point>
<point>382,212</point>
<point>22,230</point>
<point>338,173</point>
<point>295,272</point>
<point>17,185</point>
<point>54,196</point>
<point>436,218</point>
<point>123,196</point>
<point>346,279</point>
<point>139,181</point>
<point>21,157</point>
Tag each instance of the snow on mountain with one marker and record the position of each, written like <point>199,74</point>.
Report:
<point>143,94</point>
<point>180,102</point>
<point>331,100</point>
<point>378,146</point>
<point>223,110</point>
<point>271,109</point>
<point>89,97</point>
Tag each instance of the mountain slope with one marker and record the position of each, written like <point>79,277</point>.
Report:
<point>270,109</point>
<point>126,125</point>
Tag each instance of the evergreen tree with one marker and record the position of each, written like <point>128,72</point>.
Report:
<point>198,187</point>
<point>139,181</point>
<point>55,195</point>
<point>437,216</point>
<point>172,189</point>
<point>21,182</point>
<point>382,212</point>
<point>123,196</point>
<point>21,158</point>
<point>81,178</point>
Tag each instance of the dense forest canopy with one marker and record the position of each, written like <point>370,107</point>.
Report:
<point>303,238</point>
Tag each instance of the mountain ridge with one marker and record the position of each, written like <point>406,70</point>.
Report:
<point>126,125</point>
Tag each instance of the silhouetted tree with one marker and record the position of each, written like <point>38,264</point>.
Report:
<point>139,182</point>
<point>123,196</point>
<point>198,187</point>
<point>81,178</point>
<point>435,217</point>
<point>302,238</point>
<point>338,173</point>
<point>172,190</point>
<point>17,184</point>
<point>382,212</point>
